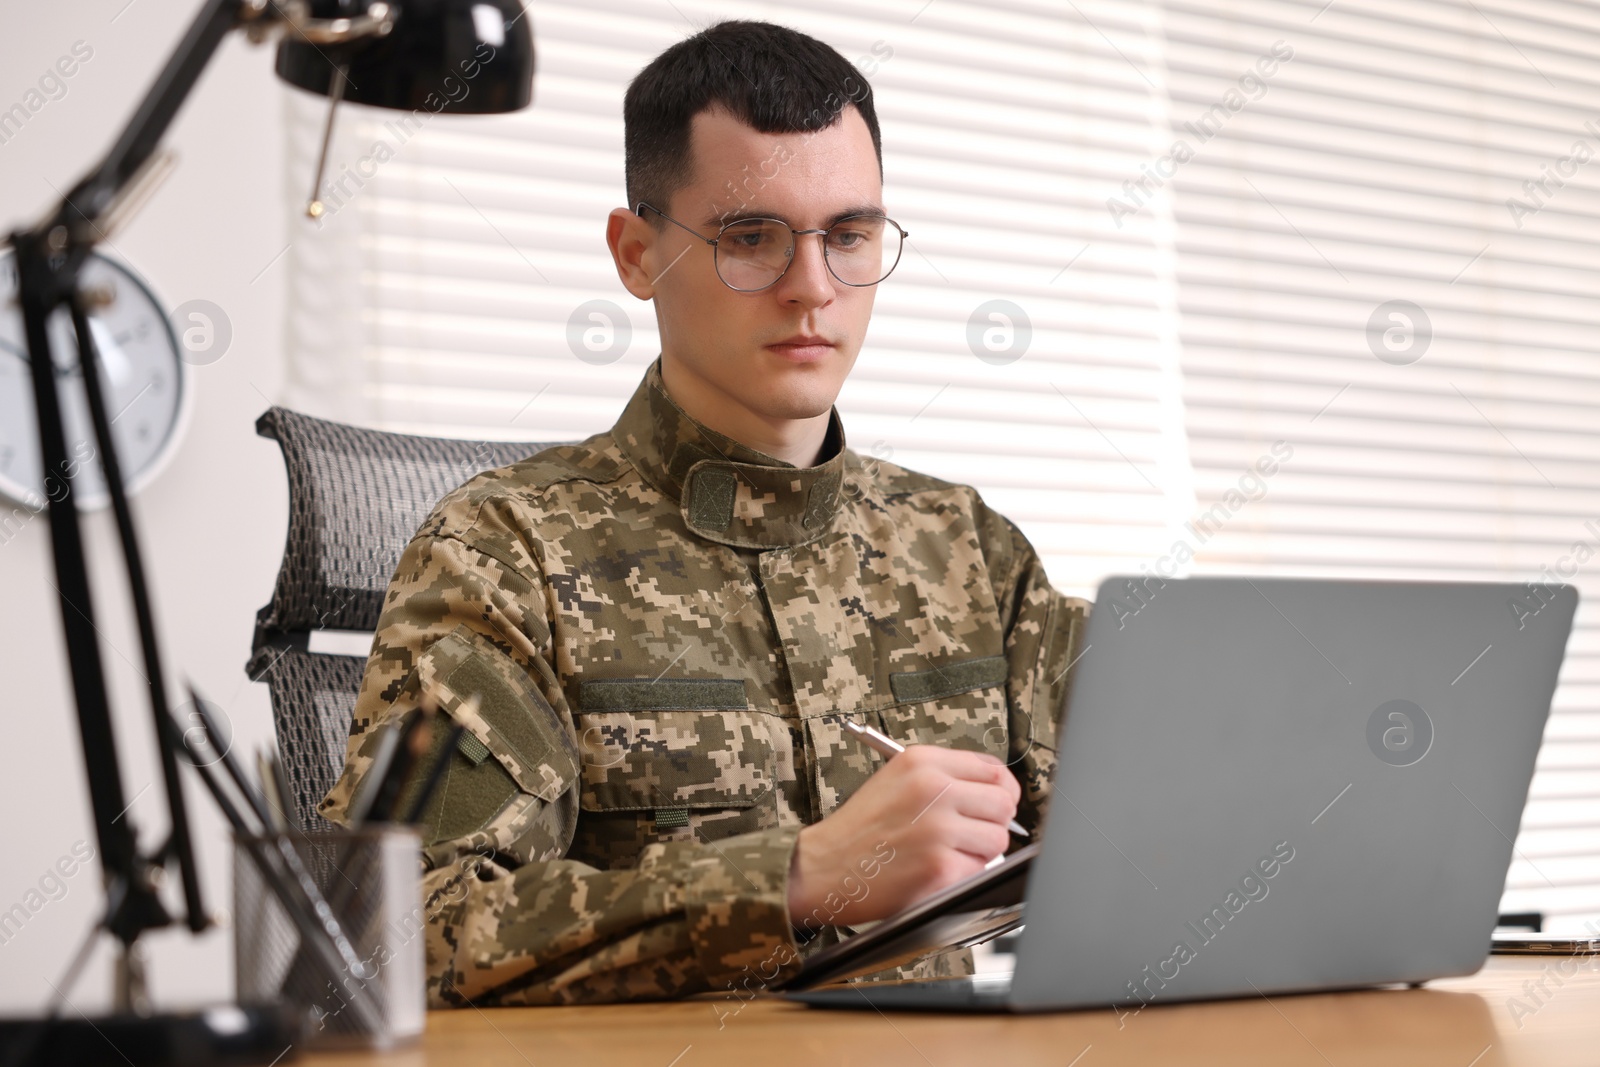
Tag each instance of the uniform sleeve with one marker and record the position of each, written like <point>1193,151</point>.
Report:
<point>1043,639</point>
<point>508,919</point>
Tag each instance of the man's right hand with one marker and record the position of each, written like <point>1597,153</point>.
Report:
<point>943,813</point>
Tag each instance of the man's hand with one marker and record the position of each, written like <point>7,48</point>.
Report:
<point>928,818</point>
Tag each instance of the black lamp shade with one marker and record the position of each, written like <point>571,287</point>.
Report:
<point>462,57</point>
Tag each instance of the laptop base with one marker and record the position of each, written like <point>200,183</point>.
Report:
<point>977,993</point>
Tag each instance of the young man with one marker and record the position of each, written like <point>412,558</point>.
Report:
<point>652,636</point>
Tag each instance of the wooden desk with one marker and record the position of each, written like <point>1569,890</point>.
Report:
<point>1460,1022</point>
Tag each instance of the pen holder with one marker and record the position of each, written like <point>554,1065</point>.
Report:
<point>371,882</point>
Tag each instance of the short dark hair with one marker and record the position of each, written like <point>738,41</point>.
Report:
<point>772,78</point>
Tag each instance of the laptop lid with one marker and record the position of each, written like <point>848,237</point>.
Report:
<point>1268,785</point>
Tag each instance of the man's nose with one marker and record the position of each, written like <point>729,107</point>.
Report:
<point>808,280</point>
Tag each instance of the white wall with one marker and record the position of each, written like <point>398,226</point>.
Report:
<point>212,523</point>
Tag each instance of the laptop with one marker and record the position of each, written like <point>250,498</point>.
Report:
<point>1272,785</point>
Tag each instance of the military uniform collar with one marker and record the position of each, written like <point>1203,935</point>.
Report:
<point>729,492</point>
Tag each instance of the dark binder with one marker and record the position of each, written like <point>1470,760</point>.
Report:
<point>970,912</point>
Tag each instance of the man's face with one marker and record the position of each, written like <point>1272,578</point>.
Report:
<point>729,345</point>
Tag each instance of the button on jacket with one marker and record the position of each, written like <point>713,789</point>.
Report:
<point>650,638</point>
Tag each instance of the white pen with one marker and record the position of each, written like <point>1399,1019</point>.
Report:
<point>888,746</point>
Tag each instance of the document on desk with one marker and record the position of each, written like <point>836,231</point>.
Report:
<point>970,912</point>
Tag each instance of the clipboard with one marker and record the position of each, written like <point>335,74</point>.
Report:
<point>969,912</point>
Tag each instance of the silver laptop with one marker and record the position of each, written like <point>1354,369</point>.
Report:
<point>1273,786</point>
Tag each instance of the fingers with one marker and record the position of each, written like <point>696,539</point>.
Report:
<point>986,802</point>
<point>968,817</point>
<point>953,801</point>
<point>959,764</point>
<point>978,838</point>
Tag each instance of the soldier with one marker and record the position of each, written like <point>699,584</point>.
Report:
<point>652,636</point>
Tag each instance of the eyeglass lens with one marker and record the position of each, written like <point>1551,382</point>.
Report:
<point>861,250</point>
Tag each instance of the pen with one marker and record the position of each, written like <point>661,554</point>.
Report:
<point>888,746</point>
<point>208,726</point>
<point>270,791</point>
<point>412,744</point>
<point>366,791</point>
<point>285,797</point>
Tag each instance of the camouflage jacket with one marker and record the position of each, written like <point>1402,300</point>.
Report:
<point>648,637</point>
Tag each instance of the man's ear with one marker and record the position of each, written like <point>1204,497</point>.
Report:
<point>632,241</point>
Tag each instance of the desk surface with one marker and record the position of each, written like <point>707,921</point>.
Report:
<point>1491,1019</point>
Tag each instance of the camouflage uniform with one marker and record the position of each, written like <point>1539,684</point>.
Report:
<point>647,636</point>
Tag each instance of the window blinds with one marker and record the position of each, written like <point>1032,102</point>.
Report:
<point>1024,344</point>
<point>1104,333</point>
<point>1379,172</point>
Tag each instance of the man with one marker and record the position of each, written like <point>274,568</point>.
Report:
<point>652,636</point>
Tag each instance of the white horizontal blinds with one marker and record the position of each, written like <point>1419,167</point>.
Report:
<point>1375,165</point>
<point>443,289</point>
<point>447,280</point>
<point>999,127</point>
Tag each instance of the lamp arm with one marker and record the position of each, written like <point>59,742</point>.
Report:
<point>96,195</point>
<point>49,258</point>
<point>72,228</point>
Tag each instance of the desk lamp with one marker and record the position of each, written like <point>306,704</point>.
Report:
<point>401,54</point>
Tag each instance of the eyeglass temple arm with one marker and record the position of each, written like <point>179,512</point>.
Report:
<point>708,240</point>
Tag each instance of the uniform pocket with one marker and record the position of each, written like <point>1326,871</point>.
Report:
<point>959,703</point>
<point>671,744</point>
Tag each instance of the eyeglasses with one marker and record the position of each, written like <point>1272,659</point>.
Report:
<point>752,254</point>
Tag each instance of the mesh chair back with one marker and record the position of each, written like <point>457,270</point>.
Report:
<point>355,498</point>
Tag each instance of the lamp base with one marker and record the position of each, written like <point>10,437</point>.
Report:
<point>224,1035</point>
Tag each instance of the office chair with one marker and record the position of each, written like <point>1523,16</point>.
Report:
<point>355,498</point>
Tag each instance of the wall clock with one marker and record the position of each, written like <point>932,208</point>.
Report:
<point>143,379</point>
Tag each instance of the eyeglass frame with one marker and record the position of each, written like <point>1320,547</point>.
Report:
<point>712,241</point>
